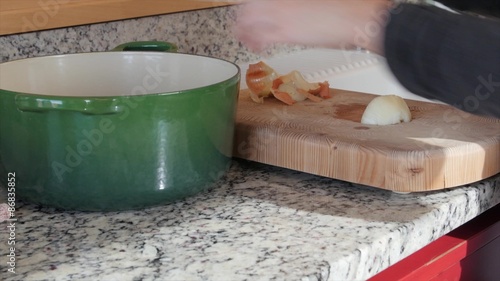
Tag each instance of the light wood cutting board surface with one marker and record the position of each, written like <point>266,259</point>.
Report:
<point>441,147</point>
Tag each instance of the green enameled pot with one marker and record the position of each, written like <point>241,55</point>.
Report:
<point>116,130</point>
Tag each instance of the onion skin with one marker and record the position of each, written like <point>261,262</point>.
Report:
<point>324,90</point>
<point>298,89</point>
<point>262,81</point>
<point>259,79</point>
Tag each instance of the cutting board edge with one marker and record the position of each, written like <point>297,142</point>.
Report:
<point>371,184</point>
<point>413,178</point>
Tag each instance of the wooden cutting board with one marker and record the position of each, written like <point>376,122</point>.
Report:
<point>441,147</point>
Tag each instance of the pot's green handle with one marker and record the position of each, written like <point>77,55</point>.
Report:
<point>92,106</point>
<point>157,46</point>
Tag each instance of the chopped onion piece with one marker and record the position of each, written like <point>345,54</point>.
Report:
<point>386,110</point>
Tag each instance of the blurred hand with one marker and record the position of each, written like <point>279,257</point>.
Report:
<point>325,23</point>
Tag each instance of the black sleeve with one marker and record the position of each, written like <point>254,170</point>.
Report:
<point>445,56</point>
<point>488,7</point>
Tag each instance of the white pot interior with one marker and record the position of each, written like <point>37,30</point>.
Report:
<point>113,74</point>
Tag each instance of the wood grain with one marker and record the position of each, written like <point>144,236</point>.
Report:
<point>441,147</point>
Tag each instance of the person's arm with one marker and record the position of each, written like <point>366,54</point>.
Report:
<point>332,24</point>
<point>449,57</point>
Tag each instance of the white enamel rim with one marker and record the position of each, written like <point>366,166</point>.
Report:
<point>107,74</point>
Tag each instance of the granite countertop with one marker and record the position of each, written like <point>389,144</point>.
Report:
<point>259,223</point>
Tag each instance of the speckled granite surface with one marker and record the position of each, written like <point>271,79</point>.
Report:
<point>259,223</point>
<point>203,32</point>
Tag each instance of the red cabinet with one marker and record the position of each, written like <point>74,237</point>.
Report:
<point>470,252</point>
